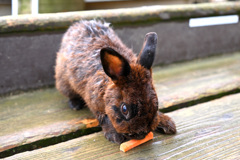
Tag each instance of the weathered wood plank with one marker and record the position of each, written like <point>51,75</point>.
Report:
<point>116,16</point>
<point>38,115</point>
<point>194,80</point>
<point>208,130</point>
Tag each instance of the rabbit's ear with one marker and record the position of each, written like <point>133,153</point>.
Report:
<point>147,54</point>
<point>114,64</point>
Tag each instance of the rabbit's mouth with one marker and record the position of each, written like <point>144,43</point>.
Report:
<point>140,135</point>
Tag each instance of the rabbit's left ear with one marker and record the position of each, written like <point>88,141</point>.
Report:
<point>114,65</point>
<point>147,54</point>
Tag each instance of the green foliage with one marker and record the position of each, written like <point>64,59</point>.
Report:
<point>24,6</point>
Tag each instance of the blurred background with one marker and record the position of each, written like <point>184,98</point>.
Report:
<point>15,7</point>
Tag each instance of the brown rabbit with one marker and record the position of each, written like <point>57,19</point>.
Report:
<point>96,69</point>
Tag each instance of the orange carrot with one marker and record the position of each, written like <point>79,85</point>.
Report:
<point>126,146</point>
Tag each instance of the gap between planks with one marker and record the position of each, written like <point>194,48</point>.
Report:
<point>206,130</point>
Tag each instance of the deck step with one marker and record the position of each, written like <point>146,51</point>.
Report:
<point>208,130</point>
<point>39,115</point>
<point>33,119</point>
<point>197,81</point>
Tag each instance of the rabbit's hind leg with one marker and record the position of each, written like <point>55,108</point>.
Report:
<point>166,124</point>
<point>75,102</point>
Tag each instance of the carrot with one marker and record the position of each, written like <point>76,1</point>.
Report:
<point>126,146</point>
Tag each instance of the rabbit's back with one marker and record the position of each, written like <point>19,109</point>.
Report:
<point>78,65</point>
<point>83,41</point>
<point>81,45</point>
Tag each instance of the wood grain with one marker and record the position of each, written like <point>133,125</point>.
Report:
<point>116,16</point>
<point>38,115</point>
<point>209,130</point>
<point>186,82</point>
<point>42,114</point>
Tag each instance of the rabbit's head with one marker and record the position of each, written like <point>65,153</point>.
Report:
<point>131,101</point>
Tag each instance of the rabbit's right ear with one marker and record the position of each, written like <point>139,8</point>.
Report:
<point>147,54</point>
<point>114,65</point>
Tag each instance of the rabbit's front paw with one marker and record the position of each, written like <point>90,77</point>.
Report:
<point>166,125</point>
<point>115,137</point>
<point>109,131</point>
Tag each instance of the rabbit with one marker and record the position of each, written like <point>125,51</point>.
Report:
<point>95,69</point>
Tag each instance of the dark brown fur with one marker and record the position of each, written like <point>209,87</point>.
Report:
<point>107,81</point>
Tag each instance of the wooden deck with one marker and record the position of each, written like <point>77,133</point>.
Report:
<point>208,130</point>
<point>42,119</point>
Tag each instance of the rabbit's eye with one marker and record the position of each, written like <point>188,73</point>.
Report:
<point>124,109</point>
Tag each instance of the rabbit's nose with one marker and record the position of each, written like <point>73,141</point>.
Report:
<point>140,135</point>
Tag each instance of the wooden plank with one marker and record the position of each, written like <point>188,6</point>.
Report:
<point>208,130</point>
<point>38,115</point>
<point>116,16</point>
<point>186,82</point>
